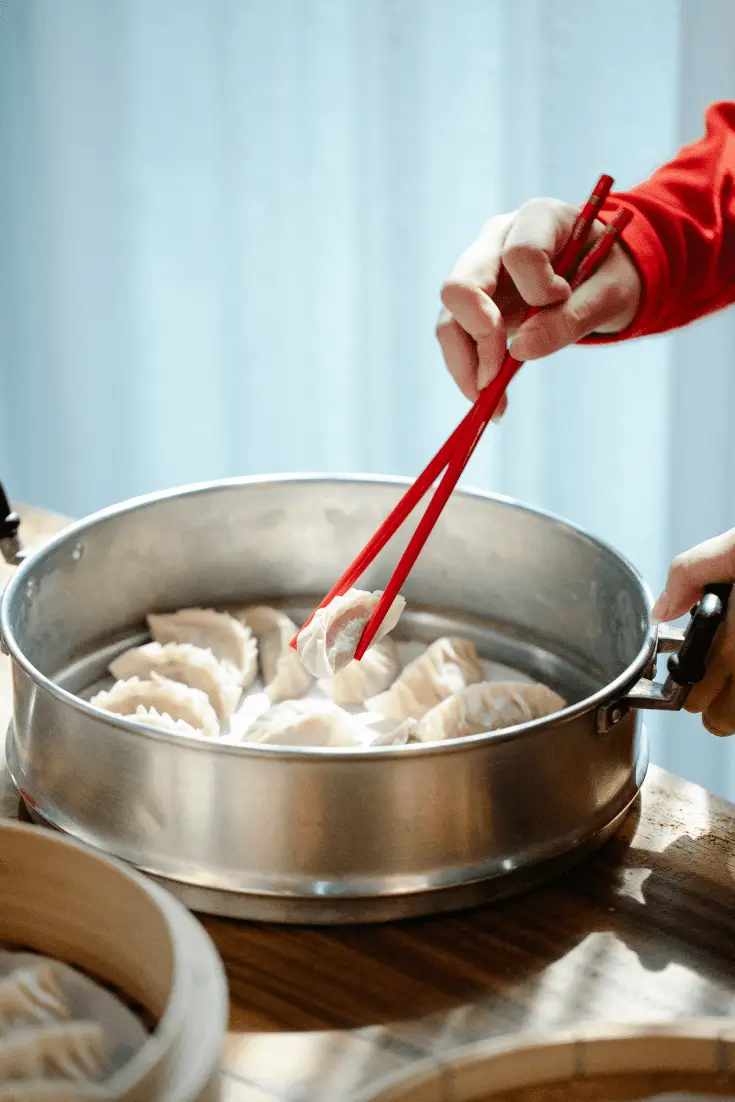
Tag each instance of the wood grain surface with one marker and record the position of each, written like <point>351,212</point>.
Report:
<point>644,931</point>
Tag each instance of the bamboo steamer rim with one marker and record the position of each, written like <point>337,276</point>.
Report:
<point>148,946</point>
<point>490,1069</point>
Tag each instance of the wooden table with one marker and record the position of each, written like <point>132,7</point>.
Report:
<point>645,931</point>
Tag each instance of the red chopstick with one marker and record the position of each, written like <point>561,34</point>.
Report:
<point>482,412</point>
<point>416,491</point>
<point>456,452</point>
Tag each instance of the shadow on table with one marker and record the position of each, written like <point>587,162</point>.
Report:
<point>631,933</point>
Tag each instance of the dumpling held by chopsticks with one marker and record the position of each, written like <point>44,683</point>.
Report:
<point>329,642</point>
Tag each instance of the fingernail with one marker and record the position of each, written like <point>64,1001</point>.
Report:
<point>485,375</point>
<point>518,347</point>
<point>660,609</point>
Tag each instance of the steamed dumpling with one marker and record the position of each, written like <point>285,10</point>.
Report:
<point>305,723</point>
<point>161,721</point>
<point>487,706</point>
<point>445,667</point>
<point>317,723</point>
<point>170,698</point>
<point>284,674</point>
<point>228,639</point>
<point>185,663</point>
<point>329,642</point>
<point>32,995</point>
<point>382,731</point>
<point>253,706</point>
<point>372,674</point>
<point>72,1050</point>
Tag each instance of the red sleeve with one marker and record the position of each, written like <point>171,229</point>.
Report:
<point>682,236</point>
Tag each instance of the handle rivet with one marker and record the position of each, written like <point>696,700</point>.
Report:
<point>77,552</point>
<point>616,715</point>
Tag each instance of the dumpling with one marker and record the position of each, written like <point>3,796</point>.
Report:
<point>284,674</point>
<point>31,995</point>
<point>253,706</point>
<point>381,731</point>
<point>228,639</point>
<point>74,1050</point>
<point>322,723</point>
<point>487,706</point>
<point>170,698</point>
<point>51,1090</point>
<point>372,674</point>
<point>306,723</point>
<point>445,667</point>
<point>188,664</point>
<point>329,642</point>
<point>161,721</point>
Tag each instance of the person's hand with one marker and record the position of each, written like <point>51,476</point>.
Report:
<point>712,561</point>
<point>508,269</point>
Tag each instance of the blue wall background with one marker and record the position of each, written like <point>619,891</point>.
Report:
<point>224,224</point>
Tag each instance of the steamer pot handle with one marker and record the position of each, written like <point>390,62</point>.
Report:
<point>10,545</point>
<point>686,666</point>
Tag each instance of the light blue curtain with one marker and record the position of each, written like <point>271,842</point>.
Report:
<point>224,223</point>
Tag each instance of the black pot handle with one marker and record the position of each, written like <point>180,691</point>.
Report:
<point>686,666</point>
<point>10,545</point>
<point>689,664</point>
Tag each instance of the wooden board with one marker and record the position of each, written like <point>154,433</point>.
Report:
<point>644,932</point>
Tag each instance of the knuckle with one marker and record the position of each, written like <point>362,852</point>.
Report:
<point>455,288</point>
<point>545,206</point>
<point>540,204</point>
<point>680,566</point>
<point>520,253</point>
<point>572,324</point>
<point>616,297</point>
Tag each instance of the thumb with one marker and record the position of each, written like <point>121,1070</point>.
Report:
<point>690,572</point>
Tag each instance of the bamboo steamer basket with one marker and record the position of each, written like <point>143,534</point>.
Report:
<point>682,1061</point>
<point>66,901</point>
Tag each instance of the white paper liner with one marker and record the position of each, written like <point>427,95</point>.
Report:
<point>124,1033</point>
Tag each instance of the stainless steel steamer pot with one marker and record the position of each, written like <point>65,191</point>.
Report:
<point>310,835</point>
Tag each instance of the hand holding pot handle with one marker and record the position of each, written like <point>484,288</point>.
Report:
<point>713,692</point>
<point>689,665</point>
<point>705,573</point>
<point>701,674</point>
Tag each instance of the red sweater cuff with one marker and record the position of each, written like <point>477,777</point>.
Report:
<point>644,247</point>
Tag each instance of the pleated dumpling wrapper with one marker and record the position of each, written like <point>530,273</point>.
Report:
<point>487,706</point>
<point>72,1050</point>
<point>32,995</point>
<point>375,671</point>
<point>160,721</point>
<point>448,665</point>
<point>169,698</point>
<point>228,639</point>
<point>329,642</point>
<point>283,672</point>
<point>312,723</point>
<point>188,664</point>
